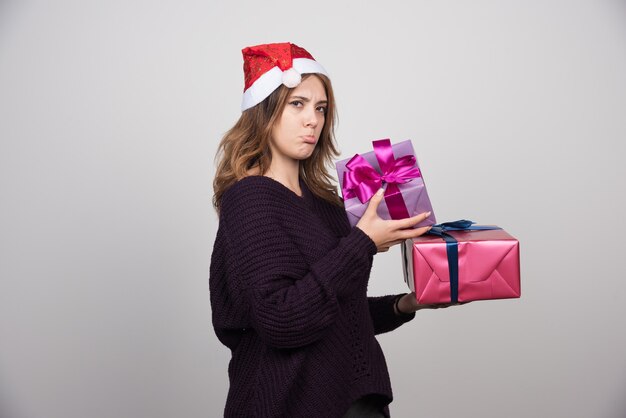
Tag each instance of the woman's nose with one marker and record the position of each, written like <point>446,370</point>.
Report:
<point>310,118</point>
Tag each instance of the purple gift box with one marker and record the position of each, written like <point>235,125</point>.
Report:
<point>393,167</point>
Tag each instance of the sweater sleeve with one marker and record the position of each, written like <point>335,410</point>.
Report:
<point>287,308</point>
<point>383,315</point>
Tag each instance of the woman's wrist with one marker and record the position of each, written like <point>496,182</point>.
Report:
<point>397,306</point>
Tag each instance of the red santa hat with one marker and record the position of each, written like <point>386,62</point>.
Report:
<point>268,66</point>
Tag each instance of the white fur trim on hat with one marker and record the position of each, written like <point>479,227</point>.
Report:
<point>272,79</point>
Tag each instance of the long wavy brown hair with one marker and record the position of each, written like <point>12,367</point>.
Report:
<point>246,146</point>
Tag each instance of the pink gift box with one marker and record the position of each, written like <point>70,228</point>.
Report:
<point>488,266</point>
<point>413,192</point>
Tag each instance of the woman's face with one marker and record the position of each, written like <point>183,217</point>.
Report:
<point>298,129</point>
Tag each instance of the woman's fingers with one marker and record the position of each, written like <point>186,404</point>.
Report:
<point>448,304</point>
<point>410,222</point>
<point>412,233</point>
<point>386,233</point>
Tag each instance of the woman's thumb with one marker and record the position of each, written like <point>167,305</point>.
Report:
<point>375,201</point>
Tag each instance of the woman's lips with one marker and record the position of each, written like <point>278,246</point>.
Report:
<point>309,139</point>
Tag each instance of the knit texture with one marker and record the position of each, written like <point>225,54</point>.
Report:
<point>288,289</point>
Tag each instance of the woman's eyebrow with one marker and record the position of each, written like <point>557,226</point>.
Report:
<point>306,99</point>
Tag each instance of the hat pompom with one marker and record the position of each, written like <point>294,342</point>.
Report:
<point>291,78</point>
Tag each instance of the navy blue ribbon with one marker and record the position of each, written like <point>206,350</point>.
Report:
<point>452,248</point>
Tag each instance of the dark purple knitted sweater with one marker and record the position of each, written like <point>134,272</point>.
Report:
<point>288,287</point>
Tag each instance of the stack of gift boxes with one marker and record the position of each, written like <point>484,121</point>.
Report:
<point>455,261</point>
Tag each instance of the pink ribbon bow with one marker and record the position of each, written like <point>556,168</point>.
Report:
<point>362,180</point>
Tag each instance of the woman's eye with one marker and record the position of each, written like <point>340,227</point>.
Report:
<point>321,109</point>
<point>296,103</point>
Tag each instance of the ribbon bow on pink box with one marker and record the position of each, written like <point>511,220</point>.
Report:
<point>393,167</point>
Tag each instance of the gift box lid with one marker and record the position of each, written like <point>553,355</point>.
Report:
<point>466,236</point>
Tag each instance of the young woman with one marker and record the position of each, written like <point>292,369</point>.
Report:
<point>288,276</point>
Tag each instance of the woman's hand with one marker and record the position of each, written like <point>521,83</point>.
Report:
<point>408,304</point>
<point>386,233</point>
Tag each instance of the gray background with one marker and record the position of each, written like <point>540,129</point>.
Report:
<point>110,115</point>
